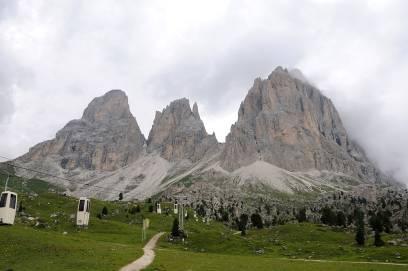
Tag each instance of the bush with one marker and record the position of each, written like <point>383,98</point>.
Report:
<point>175,230</point>
<point>341,219</point>
<point>20,207</point>
<point>301,216</point>
<point>378,242</point>
<point>135,209</point>
<point>201,210</point>
<point>242,223</point>
<point>328,216</point>
<point>360,231</point>
<point>256,220</point>
<point>151,208</point>
<point>104,211</point>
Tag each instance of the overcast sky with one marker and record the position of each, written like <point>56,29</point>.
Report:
<point>56,56</point>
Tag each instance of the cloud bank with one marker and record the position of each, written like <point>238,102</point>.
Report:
<point>58,55</point>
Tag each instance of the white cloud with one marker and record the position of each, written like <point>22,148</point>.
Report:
<point>57,55</point>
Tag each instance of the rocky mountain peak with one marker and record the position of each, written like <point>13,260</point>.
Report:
<point>109,107</point>
<point>195,111</point>
<point>289,123</point>
<point>105,138</point>
<point>179,133</point>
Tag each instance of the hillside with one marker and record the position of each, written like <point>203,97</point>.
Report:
<point>44,238</point>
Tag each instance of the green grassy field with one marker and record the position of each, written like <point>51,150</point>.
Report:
<point>287,247</point>
<point>171,259</point>
<point>52,242</point>
<point>45,238</point>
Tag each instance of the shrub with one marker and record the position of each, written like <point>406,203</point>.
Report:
<point>360,231</point>
<point>256,220</point>
<point>378,242</point>
<point>135,209</point>
<point>328,216</point>
<point>104,211</point>
<point>341,219</point>
<point>175,230</point>
<point>301,216</point>
<point>242,223</point>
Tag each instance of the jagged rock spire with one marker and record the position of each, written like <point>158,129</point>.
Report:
<point>179,133</point>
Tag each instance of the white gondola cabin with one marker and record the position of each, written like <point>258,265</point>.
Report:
<point>175,210</point>
<point>158,208</point>
<point>8,206</point>
<point>83,212</point>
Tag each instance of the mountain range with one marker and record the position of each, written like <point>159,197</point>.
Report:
<point>288,138</point>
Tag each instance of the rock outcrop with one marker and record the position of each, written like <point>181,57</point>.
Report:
<point>179,133</point>
<point>287,122</point>
<point>288,138</point>
<point>106,138</point>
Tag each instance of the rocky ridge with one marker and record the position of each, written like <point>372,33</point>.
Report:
<point>288,123</point>
<point>288,138</point>
<point>107,137</point>
<point>179,133</point>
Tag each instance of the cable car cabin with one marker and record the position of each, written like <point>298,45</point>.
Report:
<point>8,205</point>
<point>158,208</point>
<point>84,208</point>
<point>175,208</point>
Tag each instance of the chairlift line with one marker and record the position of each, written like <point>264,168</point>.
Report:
<point>55,176</point>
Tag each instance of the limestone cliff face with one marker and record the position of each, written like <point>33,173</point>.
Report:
<point>107,137</point>
<point>179,133</point>
<point>287,122</point>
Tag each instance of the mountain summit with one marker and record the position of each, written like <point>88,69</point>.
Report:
<point>179,133</point>
<point>107,137</point>
<point>289,123</point>
<point>288,137</point>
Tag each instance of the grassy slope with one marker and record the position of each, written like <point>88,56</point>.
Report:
<point>114,241</point>
<point>171,259</point>
<point>106,245</point>
<point>215,247</point>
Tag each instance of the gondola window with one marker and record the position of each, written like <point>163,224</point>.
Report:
<point>81,205</point>
<point>13,200</point>
<point>3,200</point>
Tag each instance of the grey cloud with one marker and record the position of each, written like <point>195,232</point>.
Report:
<point>227,75</point>
<point>56,57</point>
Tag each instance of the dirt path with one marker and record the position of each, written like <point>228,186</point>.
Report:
<point>147,257</point>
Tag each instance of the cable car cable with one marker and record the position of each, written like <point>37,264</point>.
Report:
<point>55,176</point>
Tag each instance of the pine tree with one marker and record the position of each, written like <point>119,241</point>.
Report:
<point>360,232</point>
<point>20,207</point>
<point>175,230</point>
<point>104,210</point>
<point>341,219</point>
<point>242,223</point>
<point>301,216</point>
<point>328,216</point>
<point>256,220</point>
<point>378,242</point>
